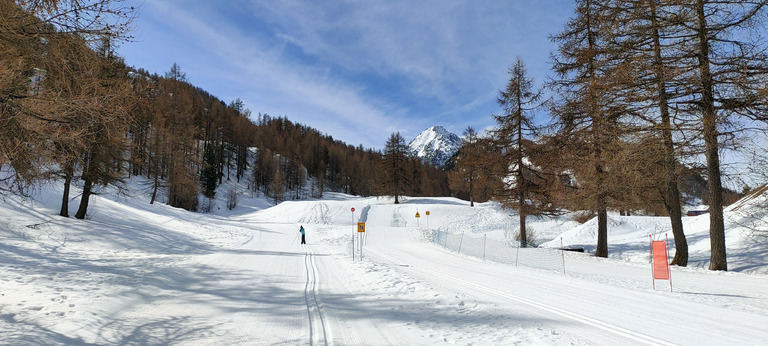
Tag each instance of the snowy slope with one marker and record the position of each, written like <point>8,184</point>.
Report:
<point>149,274</point>
<point>435,145</point>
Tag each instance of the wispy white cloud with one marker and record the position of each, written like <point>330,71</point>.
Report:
<point>272,85</point>
<point>358,70</point>
<point>431,44</point>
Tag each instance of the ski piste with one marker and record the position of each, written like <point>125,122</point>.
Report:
<point>141,273</point>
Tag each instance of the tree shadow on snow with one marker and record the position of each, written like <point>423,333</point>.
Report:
<point>18,332</point>
<point>146,331</point>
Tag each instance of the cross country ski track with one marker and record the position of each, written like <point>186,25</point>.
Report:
<point>319,329</point>
<point>577,307</point>
<point>353,302</point>
<point>624,335</point>
<point>246,279</point>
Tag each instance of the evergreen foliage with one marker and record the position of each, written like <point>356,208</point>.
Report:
<point>396,177</point>
<point>519,100</point>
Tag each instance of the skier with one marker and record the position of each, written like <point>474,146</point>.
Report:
<point>301,230</point>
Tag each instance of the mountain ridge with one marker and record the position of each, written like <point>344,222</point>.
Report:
<point>435,145</point>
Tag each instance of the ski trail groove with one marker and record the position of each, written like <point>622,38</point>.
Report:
<point>615,329</point>
<point>319,329</point>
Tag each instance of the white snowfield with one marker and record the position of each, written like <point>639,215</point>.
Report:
<point>137,274</point>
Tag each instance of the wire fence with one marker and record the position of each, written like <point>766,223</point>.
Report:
<point>501,251</point>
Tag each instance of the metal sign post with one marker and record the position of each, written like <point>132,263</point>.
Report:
<point>353,235</point>
<point>360,232</point>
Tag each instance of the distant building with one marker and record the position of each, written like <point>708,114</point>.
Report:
<point>697,212</point>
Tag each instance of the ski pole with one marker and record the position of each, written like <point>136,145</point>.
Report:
<point>294,238</point>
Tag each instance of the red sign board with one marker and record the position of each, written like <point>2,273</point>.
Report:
<point>353,209</point>
<point>660,261</point>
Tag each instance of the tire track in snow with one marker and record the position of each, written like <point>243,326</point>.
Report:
<point>319,328</point>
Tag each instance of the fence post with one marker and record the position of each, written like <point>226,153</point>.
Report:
<point>517,255</point>
<point>485,236</point>
<point>562,253</point>
<point>666,246</point>
<point>461,240</point>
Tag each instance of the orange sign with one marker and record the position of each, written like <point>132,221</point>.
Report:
<point>660,263</point>
<point>361,226</point>
<point>427,213</point>
<point>417,214</point>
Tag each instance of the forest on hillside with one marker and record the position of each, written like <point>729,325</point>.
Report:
<point>72,109</point>
<point>647,96</point>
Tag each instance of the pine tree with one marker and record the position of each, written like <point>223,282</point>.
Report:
<point>644,36</point>
<point>589,106</point>
<point>700,60</point>
<point>32,66</point>
<point>176,106</point>
<point>477,168</point>
<point>727,75</point>
<point>518,100</point>
<point>209,175</point>
<point>278,187</point>
<point>97,114</point>
<point>466,169</point>
<point>395,166</point>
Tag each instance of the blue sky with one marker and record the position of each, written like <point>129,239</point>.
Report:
<point>355,70</point>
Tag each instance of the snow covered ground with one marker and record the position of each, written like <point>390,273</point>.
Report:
<point>135,273</point>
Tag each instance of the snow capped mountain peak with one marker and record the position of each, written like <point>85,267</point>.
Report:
<point>435,145</point>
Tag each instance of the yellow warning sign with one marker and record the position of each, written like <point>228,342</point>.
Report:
<point>417,214</point>
<point>361,226</point>
<point>427,212</point>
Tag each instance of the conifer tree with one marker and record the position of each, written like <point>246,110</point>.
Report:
<point>702,61</point>
<point>395,166</point>
<point>177,105</point>
<point>30,110</point>
<point>466,170</point>
<point>278,187</point>
<point>209,175</point>
<point>726,77</point>
<point>515,127</point>
<point>588,107</point>
<point>643,34</point>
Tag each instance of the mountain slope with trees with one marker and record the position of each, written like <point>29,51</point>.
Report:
<point>647,99</point>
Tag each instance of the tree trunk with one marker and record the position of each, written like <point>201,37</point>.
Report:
<point>68,172</point>
<point>471,194</point>
<point>709,119</point>
<point>154,189</point>
<point>521,189</point>
<point>81,211</point>
<point>522,186</point>
<point>675,218</point>
<point>602,210</point>
<point>602,230</point>
<point>596,115</point>
<point>523,232</point>
<point>670,164</point>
